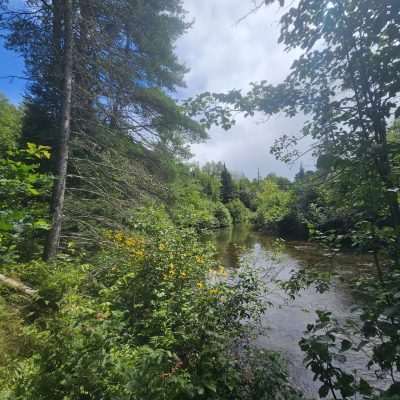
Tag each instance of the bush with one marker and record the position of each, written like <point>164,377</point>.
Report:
<point>239,212</point>
<point>192,209</point>
<point>222,215</point>
<point>145,321</point>
<point>193,216</point>
<point>23,203</point>
<point>273,206</point>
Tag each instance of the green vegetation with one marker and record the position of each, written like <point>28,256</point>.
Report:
<point>107,288</point>
<point>148,314</point>
<point>139,320</point>
<point>11,124</point>
<point>24,202</point>
<point>273,204</point>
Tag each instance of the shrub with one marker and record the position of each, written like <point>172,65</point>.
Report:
<point>239,212</point>
<point>23,206</point>
<point>222,215</point>
<point>192,209</point>
<point>273,206</point>
<point>193,216</point>
<point>145,321</point>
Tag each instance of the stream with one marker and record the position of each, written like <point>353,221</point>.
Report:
<point>285,321</point>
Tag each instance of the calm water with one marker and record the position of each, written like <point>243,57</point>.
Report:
<point>285,322</point>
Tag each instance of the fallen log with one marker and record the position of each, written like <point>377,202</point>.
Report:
<point>19,286</point>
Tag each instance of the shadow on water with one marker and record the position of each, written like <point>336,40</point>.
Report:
<point>286,321</point>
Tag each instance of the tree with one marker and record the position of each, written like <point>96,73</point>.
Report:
<point>301,174</point>
<point>273,205</point>
<point>123,71</point>
<point>10,125</point>
<point>57,206</point>
<point>227,186</point>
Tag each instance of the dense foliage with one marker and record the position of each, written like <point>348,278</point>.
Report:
<point>11,124</point>
<point>24,202</point>
<point>135,305</point>
<point>140,320</point>
<point>148,315</point>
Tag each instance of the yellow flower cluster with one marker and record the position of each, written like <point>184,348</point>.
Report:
<point>172,273</point>
<point>161,247</point>
<point>135,244</point>
<point>200,259</point>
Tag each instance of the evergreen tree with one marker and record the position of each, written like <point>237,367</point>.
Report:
<point>227,186</point>
<point>121,70</point>
<point>301,174</point>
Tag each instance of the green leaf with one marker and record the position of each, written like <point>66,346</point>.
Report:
<point>365,388</point>
<point>211,386</point>
<point>41,224</point>
<point>33,191</point>
<point>323,391</point>
<point>345,345</point>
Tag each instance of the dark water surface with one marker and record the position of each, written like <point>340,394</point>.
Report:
<point>286,321</point>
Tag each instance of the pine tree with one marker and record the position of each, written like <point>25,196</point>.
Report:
<point>301,174</point>
<point>123,71</point>
<point>227,186</point>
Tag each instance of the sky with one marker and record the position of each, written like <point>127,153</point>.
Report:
<point>222,54</point>
<point>11,65</point>
<point>225,54</point>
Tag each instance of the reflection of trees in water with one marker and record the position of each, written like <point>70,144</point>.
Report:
<point>232,243</point>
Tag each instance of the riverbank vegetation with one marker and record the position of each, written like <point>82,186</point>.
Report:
<point>346,83</point>
<point>107,290</point>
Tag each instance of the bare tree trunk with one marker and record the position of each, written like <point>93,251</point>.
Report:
<point>53,238</point>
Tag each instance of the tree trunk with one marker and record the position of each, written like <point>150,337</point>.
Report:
<point>57,206</point>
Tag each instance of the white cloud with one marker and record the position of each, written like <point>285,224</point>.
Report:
<point>223,54</point>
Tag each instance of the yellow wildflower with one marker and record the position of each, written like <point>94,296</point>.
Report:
<point>171,271</point>
<point>119,236</point>
<point>221,271</point>
<point>131,242</point>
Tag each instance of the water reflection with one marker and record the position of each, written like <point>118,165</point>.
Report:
<point>286,321</point>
